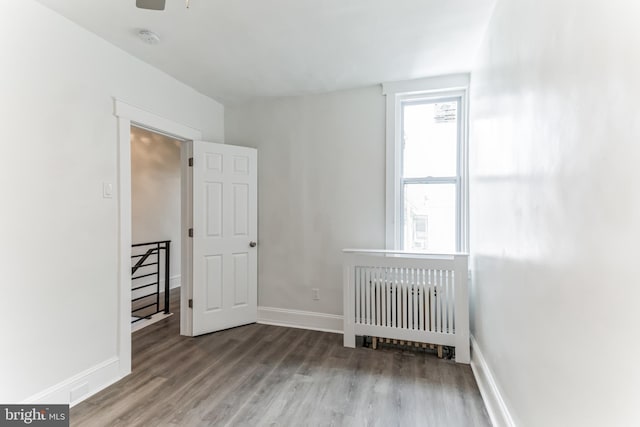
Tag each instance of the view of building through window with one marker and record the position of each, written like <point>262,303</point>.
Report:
<point>429,182</point>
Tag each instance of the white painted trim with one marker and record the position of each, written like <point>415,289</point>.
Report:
<point>148,322</point>
<point>493,401</point>
<point>464,191</point>
<point>88,383</point>
<point>154,122</point>
<point>300,319</point>
<point>429,84</point>
<point>127,115</point>
<point>124,249</point>
<point>186,222</point>
<point>393,157</point>
<point>442,255</point>
<point>455,85</point>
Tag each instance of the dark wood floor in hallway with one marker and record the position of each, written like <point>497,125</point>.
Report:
<point>260,375</point>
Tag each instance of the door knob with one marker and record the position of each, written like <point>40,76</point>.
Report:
<point>253,244</point>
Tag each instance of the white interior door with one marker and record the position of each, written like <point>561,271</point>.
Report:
<point>224,223</point>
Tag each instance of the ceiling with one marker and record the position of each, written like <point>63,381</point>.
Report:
<point>233,49</point>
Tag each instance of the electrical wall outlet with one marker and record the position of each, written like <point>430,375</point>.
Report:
<point>315,292</point>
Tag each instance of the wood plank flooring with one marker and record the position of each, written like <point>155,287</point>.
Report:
<point>259,375</point>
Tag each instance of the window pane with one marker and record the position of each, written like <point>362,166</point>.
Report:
<point>430,133</point>
<point>429,218</point>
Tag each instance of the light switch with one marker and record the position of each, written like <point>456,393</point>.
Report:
<point>107,190</point>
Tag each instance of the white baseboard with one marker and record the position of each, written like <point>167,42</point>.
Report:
<point>174,282</point>
<point>141,324</point>
<point>301,319</point>
<point>496,407</point>
<point>81,386</point>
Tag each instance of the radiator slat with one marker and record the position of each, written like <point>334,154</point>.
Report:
<point>399,309</point>
<point>414,298</point>
<point>432,302</point>
<point>453,306</point>
<point>439,301</point>
<point>445,301</point>
<point>423,305</point>
<point>410,298</point>
<point>450,302</point>
<point>392,297</point>
<point>378,280</point>
<point>404,298</point>
<point>366,296</point>
<point>358,285</point>
<point>421,300</point>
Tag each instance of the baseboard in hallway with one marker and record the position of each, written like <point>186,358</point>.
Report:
<point>150,321</point>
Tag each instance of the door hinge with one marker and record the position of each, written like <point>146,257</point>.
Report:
<point>191,232</point>
<point>191,161</point>
<point>190,303</point>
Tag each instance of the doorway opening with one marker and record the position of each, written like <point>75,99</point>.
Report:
<point>218,230</point>
<point>155,226</point>
<point>129,115</point>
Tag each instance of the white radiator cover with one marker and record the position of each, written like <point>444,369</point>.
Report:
<point>407,296</point>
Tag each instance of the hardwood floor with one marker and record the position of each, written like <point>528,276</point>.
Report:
<point>261,375</point>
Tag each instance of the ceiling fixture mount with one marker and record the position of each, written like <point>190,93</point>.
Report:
<point>151,4</point>
<point>156,4</point>
<point>149,37</point>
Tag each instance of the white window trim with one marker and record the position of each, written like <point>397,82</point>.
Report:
<point>456,85</point>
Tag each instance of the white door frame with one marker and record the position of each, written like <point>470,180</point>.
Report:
<point>128,115</point>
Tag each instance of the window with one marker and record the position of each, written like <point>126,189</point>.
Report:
<point>426,168</point>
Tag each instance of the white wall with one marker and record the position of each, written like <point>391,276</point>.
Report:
<point>555,207</point>
<point>321,189</point>
<point>155,193</point>
<point>58,236</point>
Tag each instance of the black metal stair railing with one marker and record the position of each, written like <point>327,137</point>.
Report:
<point>148,264</point>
